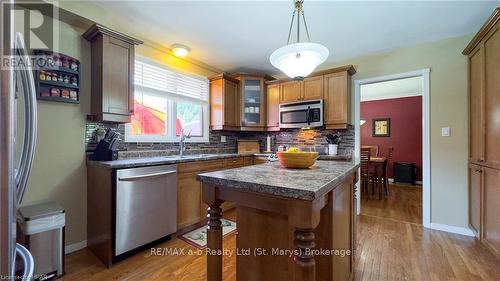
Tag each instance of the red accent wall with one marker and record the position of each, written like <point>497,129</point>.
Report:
<point>406,129</point>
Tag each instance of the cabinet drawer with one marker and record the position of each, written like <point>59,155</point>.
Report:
<point>234,162</point>
<point>198,166</point>
<point>248,160</point>
<point>260,160</point>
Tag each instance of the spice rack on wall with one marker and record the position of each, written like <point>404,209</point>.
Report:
<point>57,77</point>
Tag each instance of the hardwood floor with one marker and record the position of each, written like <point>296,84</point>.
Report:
<point>396,250</point>
<point>389,248</point>
<point>83,265</point>
<point>404,203</point>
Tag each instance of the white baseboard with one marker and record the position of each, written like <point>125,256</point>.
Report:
<point>75,247</point>
<point>453,229</point>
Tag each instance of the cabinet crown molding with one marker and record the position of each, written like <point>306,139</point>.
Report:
<point>490,23</point>
<point>97,29</point>
<point>224,76</point>
<point>252,74</point>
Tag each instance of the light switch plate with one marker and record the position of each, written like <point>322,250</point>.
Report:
<point>445,132</point>
<point>222,138</point>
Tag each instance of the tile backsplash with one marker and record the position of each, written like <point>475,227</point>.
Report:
<point>313,139</point>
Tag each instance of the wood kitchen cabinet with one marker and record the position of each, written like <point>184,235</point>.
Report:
<point>253,100</point>
<point>337,99</point>
<point>290,91</point>
<point>311,88</point>
<point>273,102</point>
<point>475,193</point>
<point>190,207</point>
<point>224,103</point>
<point>331,85</point>
<point>491,209</point>
<point>476,112</point>
<point>491,88</point>
<point>255,106</point>
<point>484,132</point>
<point>112,84</point>
<point>238,102</point>
<point>103,196</point>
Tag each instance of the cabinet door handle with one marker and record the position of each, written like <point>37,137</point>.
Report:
<point>479,171</point>
<point>481,160</point>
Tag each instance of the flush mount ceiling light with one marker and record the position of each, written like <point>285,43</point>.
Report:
<point>180,50</point>
<point>299,59</point>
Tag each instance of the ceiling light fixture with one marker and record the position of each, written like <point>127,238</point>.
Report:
<point>180,50</point>
<point>298,60</point>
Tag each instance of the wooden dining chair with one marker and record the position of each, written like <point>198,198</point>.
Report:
<point>367,173</point>
<point>388,156</point>
<point>373,150</point>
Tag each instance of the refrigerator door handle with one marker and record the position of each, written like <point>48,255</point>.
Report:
<point>30,120</point>
<point>29,263</point>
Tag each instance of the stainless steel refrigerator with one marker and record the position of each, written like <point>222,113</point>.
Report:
<point>18,131</point>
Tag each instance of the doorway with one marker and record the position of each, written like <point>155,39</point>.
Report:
<point>382,94</point>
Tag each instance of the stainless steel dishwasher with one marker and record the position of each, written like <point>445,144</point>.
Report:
<point>146,206</point>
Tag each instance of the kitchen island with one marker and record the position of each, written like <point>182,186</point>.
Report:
<point>292,224</point>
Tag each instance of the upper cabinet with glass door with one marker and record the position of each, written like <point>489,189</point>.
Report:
<point>252,97</point>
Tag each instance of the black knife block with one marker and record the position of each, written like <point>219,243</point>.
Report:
<point>103,153</point>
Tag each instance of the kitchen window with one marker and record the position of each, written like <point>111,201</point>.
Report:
<point>166,102</point>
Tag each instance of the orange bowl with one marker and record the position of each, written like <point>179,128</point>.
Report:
<point>297,160</point>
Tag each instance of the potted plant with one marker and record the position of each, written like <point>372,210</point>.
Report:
<point>333,143</point>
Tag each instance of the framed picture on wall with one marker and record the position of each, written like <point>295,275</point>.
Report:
<point>381,127</point>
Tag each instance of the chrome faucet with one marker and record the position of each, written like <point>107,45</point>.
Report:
<point>182,142</point>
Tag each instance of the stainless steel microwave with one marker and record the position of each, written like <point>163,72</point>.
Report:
<point>303,114</point>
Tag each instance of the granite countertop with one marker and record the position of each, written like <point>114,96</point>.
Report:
<point>174,159</point>
<point>271,178</point>
<point>321,157</point>
<point>163,160</point>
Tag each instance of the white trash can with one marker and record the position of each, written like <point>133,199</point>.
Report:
<point>41,231</point>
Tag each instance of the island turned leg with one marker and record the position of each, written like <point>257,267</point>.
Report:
<point>305,266</point>
<point>214,242</point>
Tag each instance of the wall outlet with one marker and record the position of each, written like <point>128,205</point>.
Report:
<point>445,132</point>
<point>222,138</point>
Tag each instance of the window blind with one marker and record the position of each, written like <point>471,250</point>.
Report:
<point>166,80</point>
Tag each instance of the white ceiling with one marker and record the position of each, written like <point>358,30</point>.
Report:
<point>401,88</point>
<point>240,35</point>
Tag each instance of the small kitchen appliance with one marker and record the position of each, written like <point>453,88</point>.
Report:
<point>303,114</point>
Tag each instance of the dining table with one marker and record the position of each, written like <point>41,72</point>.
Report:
<point>380,164</point>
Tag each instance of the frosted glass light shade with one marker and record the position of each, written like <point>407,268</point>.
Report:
<point>300,59</point>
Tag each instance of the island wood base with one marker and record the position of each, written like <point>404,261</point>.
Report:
<point>276,234</point>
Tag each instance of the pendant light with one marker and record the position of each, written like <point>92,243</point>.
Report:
<point>299,59</point>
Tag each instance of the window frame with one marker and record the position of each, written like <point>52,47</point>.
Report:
<point>172,99</point>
